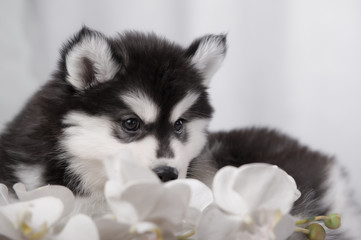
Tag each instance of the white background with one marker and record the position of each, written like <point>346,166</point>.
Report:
<point>291,65</point>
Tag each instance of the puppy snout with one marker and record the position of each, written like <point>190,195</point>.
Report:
<point>166,173</point>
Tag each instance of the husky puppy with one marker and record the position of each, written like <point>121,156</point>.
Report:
<point>143,93</point>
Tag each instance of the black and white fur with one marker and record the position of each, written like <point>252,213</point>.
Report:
<point>140,92</point>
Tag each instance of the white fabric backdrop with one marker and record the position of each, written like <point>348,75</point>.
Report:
<point>291,65</point>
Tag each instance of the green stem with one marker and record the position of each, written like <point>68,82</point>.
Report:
<point>302,230</point>
<point>311,219</point>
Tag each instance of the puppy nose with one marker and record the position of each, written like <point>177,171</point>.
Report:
<point>166,173</point>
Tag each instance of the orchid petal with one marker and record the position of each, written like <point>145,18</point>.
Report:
<point>79,227</point>
<point>201,195</point>
<point>216,224</point>
<point>7,229</point>
<point>285,227</point>
<point>260,225</point>
<point>123,169</point>
<point>201,198</point>
<point>43,210</point>
<point>110,230</point>
<point>224,194</point>
<point>124,211</point>
<point>57,191</point>
<point>113,166</point>
<point>143,196</point>
<point>260,185</point>
<point>189,223</point>
<point>4,195</point>
<point>113,189</point>
<point>172,205</point>
<point>134,172</point>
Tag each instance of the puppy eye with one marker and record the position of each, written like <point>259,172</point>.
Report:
<point>131,124</point>
<point>178,126</point>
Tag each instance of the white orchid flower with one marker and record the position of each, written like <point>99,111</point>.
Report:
<point>78,227</point>
<point>148,207</point>
<point>35,216</point>
<point>123,169</point>
<point>250,203</point>
<point>141,203</point>
<point>30,219</point>
<point>4,195</point>
<point>201,198</point>
<point>64,194</point>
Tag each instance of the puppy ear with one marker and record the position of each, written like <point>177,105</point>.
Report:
<point>88,60</point>
<point>207,54</point>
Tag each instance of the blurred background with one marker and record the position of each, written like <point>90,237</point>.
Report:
<point>291,65</point>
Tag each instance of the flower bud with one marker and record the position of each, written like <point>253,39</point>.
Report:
<point>317,232</point>
<point>333,221</point>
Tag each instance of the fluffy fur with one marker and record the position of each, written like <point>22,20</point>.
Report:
<point>140,92</point>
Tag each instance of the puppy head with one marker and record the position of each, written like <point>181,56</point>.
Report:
<point>137,92</point>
